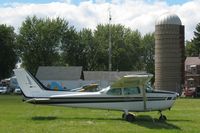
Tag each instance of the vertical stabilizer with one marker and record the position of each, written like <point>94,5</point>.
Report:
<point>28,84</point>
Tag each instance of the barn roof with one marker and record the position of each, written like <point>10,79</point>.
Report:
<point>59,73</point>
<point>192,61</point>
<point>109,76</point>
<point>75,73</point>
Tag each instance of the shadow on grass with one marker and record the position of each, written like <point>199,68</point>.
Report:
<point>87,118</point>
<point>142,120</point>
<point>152,123</point>
<point>41,118</point>
<point>175,120</point>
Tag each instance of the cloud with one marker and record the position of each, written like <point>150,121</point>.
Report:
<point>136,14</point>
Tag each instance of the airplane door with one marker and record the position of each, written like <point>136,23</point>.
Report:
<point>135,94</point>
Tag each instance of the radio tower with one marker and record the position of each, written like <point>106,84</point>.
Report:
<point>110,45</point>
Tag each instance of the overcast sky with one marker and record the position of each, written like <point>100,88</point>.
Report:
<point>135,14</point>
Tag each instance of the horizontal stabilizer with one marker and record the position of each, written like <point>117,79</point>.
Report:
<point>37,100</point>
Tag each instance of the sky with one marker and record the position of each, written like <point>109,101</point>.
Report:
<point>138,15</point>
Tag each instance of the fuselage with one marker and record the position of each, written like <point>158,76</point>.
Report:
<point>106,99</point>
<point>130,93</point>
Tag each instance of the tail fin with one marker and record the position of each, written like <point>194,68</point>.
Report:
<point>28,84</point>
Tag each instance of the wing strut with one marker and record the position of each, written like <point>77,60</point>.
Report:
<point>144,97</point>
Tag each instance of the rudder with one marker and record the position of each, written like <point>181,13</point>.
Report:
<point>28,84</point>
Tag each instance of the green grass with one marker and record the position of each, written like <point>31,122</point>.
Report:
<point>19,117</point>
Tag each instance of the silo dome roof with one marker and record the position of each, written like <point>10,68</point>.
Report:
<point>168,18</point>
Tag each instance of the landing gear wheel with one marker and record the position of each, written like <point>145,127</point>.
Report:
<point>162,118</point>
<point>130,117</point>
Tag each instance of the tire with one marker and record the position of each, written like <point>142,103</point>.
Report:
<point>162,118</point>
<point>130,118</point>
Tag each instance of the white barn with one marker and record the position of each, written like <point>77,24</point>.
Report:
<point>73,77</point>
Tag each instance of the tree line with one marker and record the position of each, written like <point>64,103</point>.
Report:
<point>53,42</point>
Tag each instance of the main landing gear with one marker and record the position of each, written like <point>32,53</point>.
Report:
<point>162,117</point>
<point>128,116</point>
<point>131,117</point>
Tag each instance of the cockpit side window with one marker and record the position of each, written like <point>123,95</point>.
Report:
<point>115,91</point>
<point>131,90</point>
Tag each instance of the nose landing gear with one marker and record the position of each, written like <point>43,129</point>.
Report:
<point>162,117</point>
<point>128,116</point>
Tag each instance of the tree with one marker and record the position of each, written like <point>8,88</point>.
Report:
<point>193,46</point>
<point>125,47</point>
<point>133,50</point>
<point>39,42</point>
<point>86,40</point>
<point>100,58</point>
<point>196,39</point>
<point>77,48</point>
<point>8,56</point>
<point>190,49</point>
<point>148,49</point>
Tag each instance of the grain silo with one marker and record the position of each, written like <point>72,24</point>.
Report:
<point>169,53</point>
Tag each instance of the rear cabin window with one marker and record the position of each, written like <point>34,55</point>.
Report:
<point>115,91</point>
<point>131,90</point>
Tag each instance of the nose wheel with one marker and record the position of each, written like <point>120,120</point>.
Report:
<point>128,117</point>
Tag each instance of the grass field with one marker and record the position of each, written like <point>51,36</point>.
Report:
<point>19,117</point>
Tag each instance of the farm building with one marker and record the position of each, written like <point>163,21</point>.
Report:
<point>192,72</point>
<point>65,77</point>
<point>169,53</point>
<point>73,77</point>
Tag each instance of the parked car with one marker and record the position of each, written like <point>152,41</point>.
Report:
<point>190,92</point>
<point>3,89</point>
<point>17,90</point>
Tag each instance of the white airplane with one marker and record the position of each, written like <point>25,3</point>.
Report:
<point>130,93</point>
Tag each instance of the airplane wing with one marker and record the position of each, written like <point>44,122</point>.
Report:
<point>132,80</point>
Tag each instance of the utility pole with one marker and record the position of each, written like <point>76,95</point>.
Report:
<point>110,45</point>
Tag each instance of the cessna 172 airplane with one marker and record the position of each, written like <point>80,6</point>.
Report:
<point>130,93</point>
